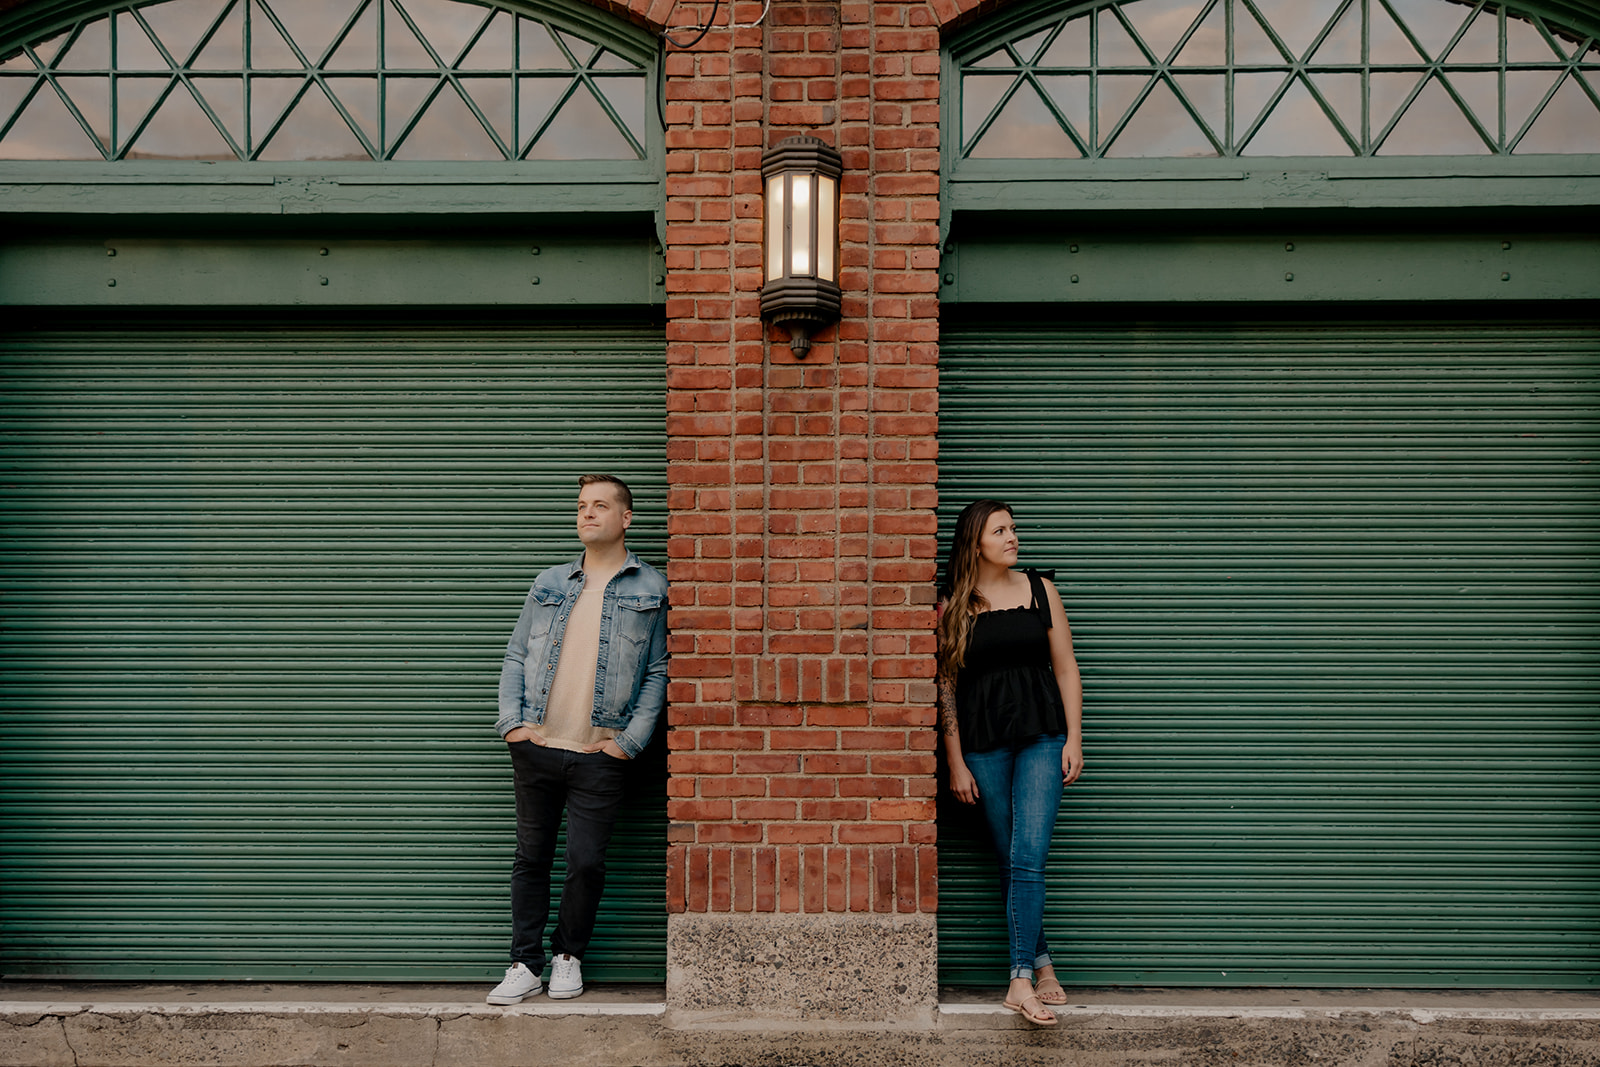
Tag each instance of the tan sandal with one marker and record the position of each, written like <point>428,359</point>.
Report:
<point>1043,1017</point>
<point>1050,991</point>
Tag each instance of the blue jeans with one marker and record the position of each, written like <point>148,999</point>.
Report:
<point>1019,789</point>
<point>590,787</point>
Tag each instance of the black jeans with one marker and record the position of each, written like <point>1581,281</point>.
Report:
<point>590,786</point>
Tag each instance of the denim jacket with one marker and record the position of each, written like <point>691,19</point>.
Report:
<point>630,678</point>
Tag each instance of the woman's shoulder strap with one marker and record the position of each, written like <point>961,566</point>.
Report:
<point>1040,602</point>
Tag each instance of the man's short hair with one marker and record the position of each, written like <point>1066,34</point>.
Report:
<point>624,494</point>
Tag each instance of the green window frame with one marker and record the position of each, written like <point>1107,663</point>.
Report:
<point>1226,78</point>
<point>1242,105</point>
<point>271,107</point>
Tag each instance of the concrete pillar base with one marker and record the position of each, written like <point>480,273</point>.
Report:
<point>745,971</point>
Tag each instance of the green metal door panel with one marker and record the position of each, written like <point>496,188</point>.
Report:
<point>1334,592</point>
<point>258,580</point>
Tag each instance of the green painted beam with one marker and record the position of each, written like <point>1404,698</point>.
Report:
<point>1097,267</point>
<point>334,271</point>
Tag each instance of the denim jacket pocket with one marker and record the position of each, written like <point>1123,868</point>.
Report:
<point>636,616</point>
<point>545,605</point>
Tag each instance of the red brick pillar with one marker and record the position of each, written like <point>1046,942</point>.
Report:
<point>801,530</point>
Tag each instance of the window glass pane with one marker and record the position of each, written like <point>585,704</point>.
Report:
<point>1389,44</point>
<point>1207,94</point>
<point>1481,42</point>
<point>626,95</point>
<point>1433,126</point>
<point>48,49</point>
<point>447,26</point>
<point>1481,91</point>
<point>402,49</point>
<point>268,48</point>
<point>1251,45</point>
<point>448,130</point>
<point>980,94</point>
<point>134,49</point>
<point>1117,49</point>
<point>582,51</point>
<point>1070,94</point>
<point>180,130</point>
<point>494,50</point>
<point>91,50</point>
<point>1343,43</point>
<point>225,49</point>
<point>1432,23</point>
<point>1026,130</point>
<point>12,92</point>
<point>1343,93</point>
<point>92,97</point>
<point>312,26</point>
<point>314,130</point>
<point>178,24</point>
<point>359,97</point>
<point>1162,23</point>
<point>47,130</point>
<point>1525,90</point>
<point>1524,42</point>
<point>359,48</point>
<point>1070,48</point>
<point>1297,22</point>
<point>1208,45</point>
<point>225,97</point>
<point>538,98</point>
<point>1388,92</point>
<point>136,97</point>
<point>1297,127</point>
<point>270,98</point>
<point>403,98</point>
<point>493,97</point>
<point>1161,127</point>
<point>1568,124</point>
<point>1117,95</point>
<point>582,130</point>
<point>1000,57</point>
<point>1027,49</point>
<point>1251,94</point>
<point>539,50</point>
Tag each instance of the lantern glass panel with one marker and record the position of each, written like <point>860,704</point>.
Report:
<point>827,227</point>
<point>800,227</point>
<point>775,226</point>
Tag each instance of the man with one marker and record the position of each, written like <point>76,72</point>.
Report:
<point>584,681</point>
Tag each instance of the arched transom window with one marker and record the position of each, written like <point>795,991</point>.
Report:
<point>1199,78</point>
<point>321,80</point>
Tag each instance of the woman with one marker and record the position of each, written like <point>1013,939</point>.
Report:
<point>1010,713</point>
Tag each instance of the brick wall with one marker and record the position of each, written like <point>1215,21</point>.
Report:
<point>801,534</point>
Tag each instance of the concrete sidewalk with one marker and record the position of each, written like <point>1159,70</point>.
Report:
<point>69,1024</point>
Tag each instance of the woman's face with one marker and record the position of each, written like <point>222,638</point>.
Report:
<point>998,543</point>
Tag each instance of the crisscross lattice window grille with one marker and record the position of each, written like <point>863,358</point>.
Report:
<point>320,80</point>
<point>1196,78</point>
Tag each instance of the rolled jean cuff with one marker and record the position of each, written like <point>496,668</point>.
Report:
<point>1043,960</point>
<point>1022,972</point>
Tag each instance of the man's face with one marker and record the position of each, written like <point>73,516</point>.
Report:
<point>601,518</point>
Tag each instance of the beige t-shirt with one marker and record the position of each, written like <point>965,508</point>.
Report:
<point>568,720</point>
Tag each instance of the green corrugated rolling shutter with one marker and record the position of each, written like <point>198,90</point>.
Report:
<point>1334,592</point>
<point>258,581</point>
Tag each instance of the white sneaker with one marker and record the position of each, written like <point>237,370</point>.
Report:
<point>566,977</point>
<point>519,982</point>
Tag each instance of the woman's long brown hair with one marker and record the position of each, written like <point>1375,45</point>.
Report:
<point>962,600</point>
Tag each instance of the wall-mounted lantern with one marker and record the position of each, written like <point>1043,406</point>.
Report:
<point>801,291</point>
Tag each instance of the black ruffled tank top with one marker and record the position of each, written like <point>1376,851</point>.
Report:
<point>1006,690</point>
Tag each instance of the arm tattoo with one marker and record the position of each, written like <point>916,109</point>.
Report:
<point>947,708</point>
